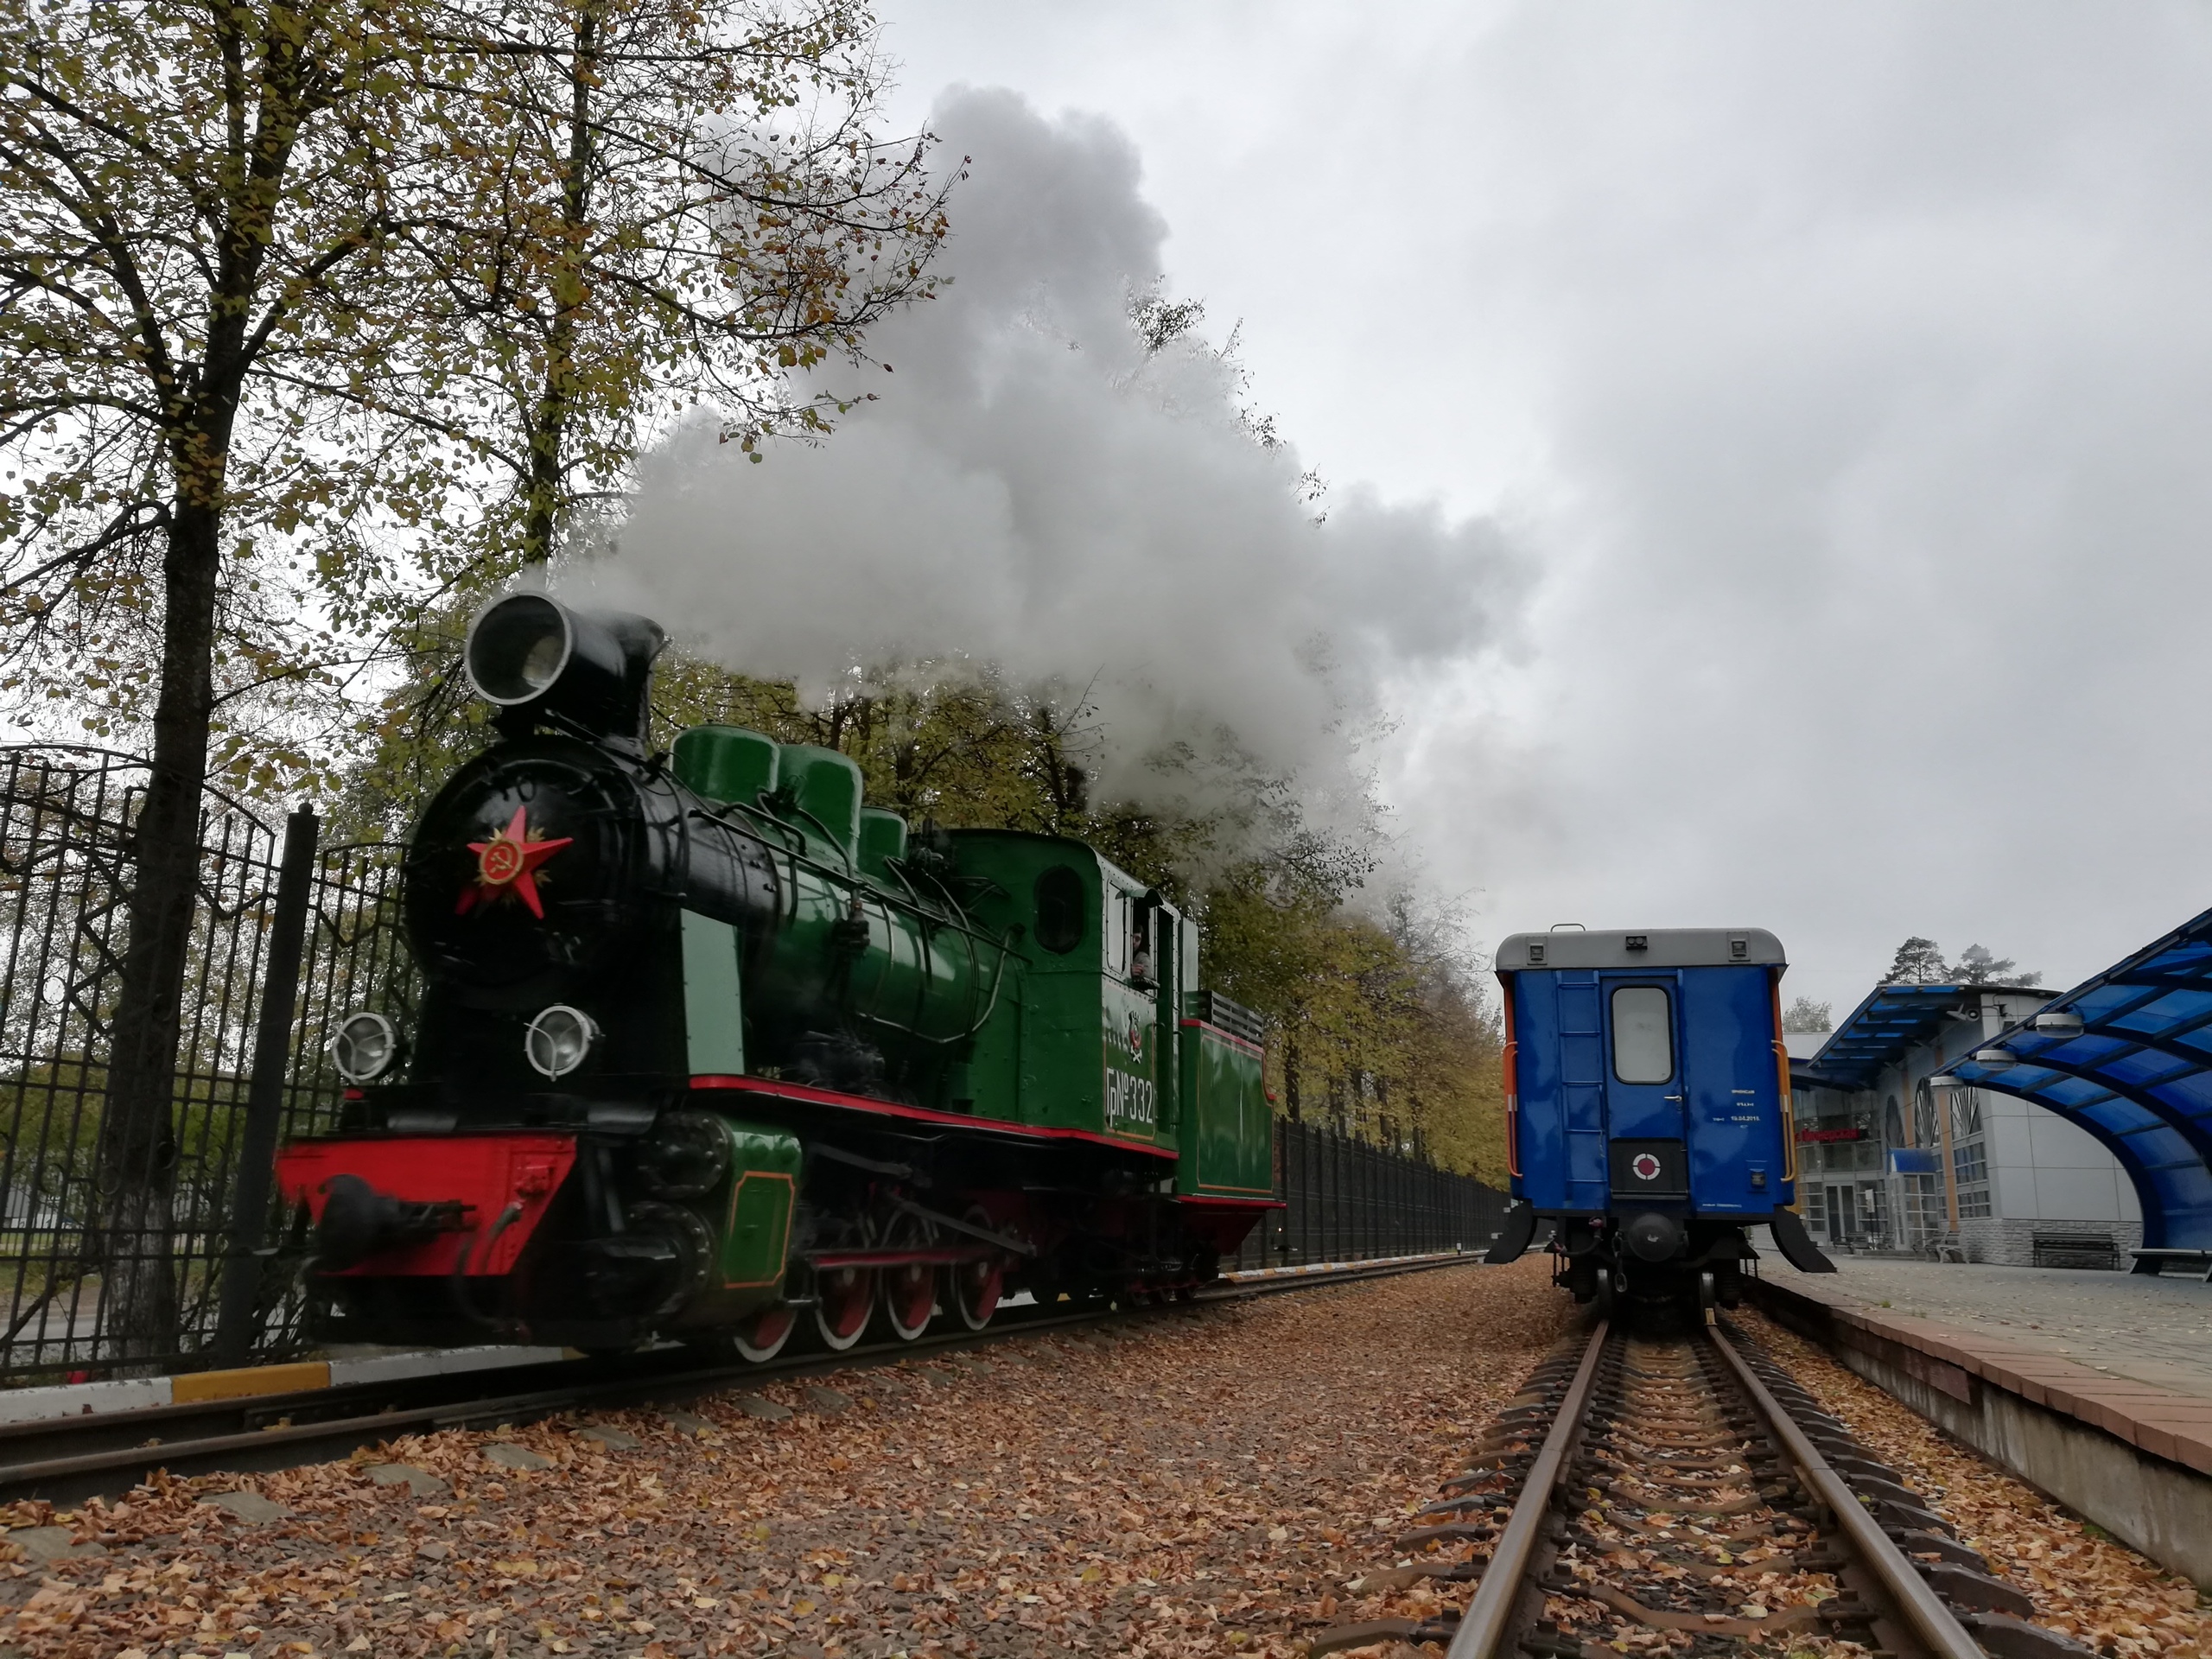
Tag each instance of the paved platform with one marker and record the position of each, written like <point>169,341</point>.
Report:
<point>2095,1387</point>
<point>2122,1325</point>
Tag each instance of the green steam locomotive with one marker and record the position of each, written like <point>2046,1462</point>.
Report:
<point>709,1049</point>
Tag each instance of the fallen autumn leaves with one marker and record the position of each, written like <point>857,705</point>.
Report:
<point>1195,1485</point>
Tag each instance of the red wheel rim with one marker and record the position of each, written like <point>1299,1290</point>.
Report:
<point>763,1336</point>
<point>909,1292</point>
<point>977,1287</point>
<point>844,1298</point>
<point>910,1297</point>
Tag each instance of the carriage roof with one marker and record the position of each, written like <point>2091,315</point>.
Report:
<point>1651,947</point>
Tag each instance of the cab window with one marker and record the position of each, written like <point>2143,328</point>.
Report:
<point>1114,929</point>
<point>1127,936</point>
<point>1643,1034</point>
<point>1060,919</point>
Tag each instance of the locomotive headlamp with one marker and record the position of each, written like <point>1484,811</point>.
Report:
<point>364,1046</point>
<point>518,648</point>
<point>534,656</point>
<point>559,1039</point>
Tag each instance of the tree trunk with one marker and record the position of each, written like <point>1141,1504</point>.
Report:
<point>137,1160</point>
<point>557,396</point>
<point>133,1228</point>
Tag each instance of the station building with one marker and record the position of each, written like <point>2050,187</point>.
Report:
<point>1896,1155</point>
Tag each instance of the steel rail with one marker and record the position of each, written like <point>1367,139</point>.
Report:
<point>1931,1621</point>
<point>1483,1626</point>
<point>282,1444</point>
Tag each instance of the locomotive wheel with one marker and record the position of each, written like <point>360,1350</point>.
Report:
<point>909,1293</point>
<point>762,1336</point>
<point>844,1297</point>
<point>974,1288</point>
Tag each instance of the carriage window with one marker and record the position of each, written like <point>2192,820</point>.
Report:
<point>1643,1036</point>
<point>1059,909</point>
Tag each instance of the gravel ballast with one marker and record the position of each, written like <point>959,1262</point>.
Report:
<point>1226,1481</point>
<point>1196,1483</point>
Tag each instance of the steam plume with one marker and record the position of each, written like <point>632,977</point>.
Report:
<point>1031,489</point>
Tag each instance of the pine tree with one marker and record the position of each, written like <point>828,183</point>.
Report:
<point>1918,962</point>
<point>1979,967</point>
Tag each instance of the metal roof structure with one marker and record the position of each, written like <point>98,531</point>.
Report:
<point>1879,1030</point>
<point>2128,1055</point>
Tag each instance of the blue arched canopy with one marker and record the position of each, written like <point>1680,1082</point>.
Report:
<point>1880,1030</point>
<point>2137,1074</point>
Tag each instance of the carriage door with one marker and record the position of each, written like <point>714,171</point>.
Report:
<point>1645,1092</point>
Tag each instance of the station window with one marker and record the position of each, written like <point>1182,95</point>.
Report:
<point>1644,1035</point>
<point>1970,1164</point>
<point>1925,1130</point>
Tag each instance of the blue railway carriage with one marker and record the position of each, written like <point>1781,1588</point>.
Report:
<point>1647,1099</point>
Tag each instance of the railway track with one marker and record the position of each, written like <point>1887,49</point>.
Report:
<point>1683,1496</point>
<point>67,1459</point>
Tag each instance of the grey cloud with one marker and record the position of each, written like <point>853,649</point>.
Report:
<point>1847,373</point>
<point>1876,391</point>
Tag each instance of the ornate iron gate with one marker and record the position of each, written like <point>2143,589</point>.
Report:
<point>274,910</point>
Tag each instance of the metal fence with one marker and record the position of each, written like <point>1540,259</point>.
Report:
<point>283,934</point>
<point>1345,1200</point>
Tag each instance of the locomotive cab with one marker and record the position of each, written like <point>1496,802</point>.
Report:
<point>1648,1108</point>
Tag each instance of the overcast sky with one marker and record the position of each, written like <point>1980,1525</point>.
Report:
<point>1844,373</point>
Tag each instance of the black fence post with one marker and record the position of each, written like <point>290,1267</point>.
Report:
<point>235,1319</point>
<point>1306,1207</point>
<point>1330,1194</point>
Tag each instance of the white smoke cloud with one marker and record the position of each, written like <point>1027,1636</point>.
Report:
<point>1028,490</point>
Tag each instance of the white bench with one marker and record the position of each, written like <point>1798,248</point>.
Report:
<point>2154,1261</point>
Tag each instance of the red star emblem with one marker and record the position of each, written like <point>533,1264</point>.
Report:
<point>508,861</point>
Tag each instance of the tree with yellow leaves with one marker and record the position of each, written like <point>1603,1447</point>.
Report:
<point>290,283</point>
